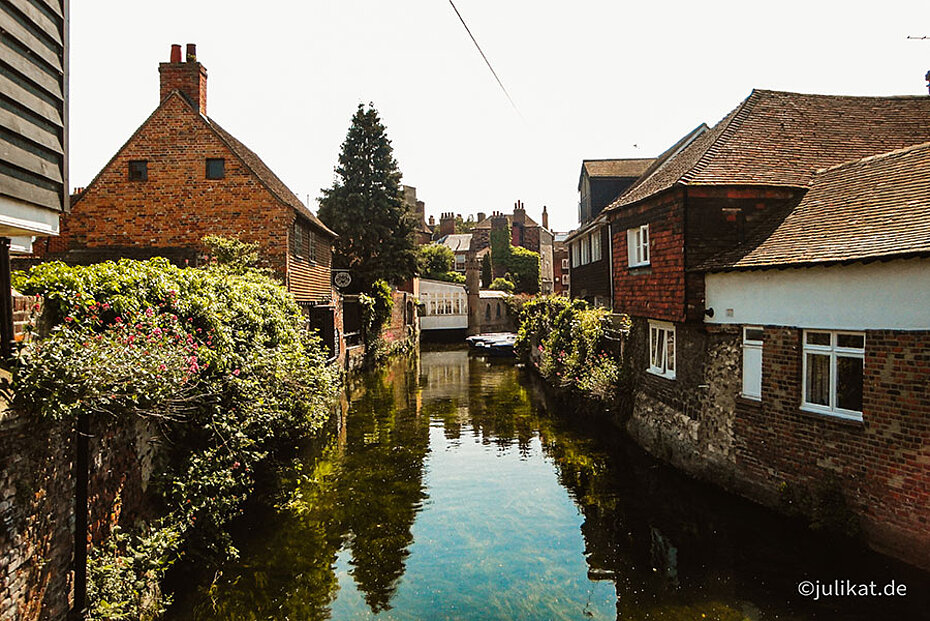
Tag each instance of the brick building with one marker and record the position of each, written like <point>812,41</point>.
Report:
<point>181,176</point>
<point>723,190</point>
<point>561,267</point>
<point>525,233</point>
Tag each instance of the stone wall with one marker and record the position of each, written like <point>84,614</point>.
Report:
<point>874,474</point>
<point>37,490</point>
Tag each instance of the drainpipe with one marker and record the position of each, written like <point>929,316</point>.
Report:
<point>6,301</point>
<point>610,261</point>
<point>81,462</point>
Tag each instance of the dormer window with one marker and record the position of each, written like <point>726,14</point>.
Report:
<point>138,170</point>
<point>216,168</point>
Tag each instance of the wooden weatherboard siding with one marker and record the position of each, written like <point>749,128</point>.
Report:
<point>33,112</point>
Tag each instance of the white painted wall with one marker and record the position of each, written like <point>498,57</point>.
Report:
<point>881,295</point>
<point>439,291</point>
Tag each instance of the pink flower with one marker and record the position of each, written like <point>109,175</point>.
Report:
<point>149,312</point>
<point>235,465</point>
<point>69,319</point>
<point>236,372</point>
<point>105,306</point>
<point>118,319</point>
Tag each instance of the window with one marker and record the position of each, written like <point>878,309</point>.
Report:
<point>576,253</point>
<point>565,279</point>
<point>216,168</point>
<point>311,245</point>
<point>638,245</point>
<point>752,363</point>
<point>297,240</point>
<point>662,349</point>
<point>585,250</point>
<point>138,170</point>
<point>833,364</point>
<point>596,246</point>
<point>564,265</point>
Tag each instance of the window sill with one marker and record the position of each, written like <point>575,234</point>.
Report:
<point>751,402</point>
<point>637,270</point>
<point>836,418</point>
<point>668,376</point>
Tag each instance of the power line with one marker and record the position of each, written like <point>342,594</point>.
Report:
<point>486,61</point>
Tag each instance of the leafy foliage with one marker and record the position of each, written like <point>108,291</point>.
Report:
<point>217,355</point>
<point>486,275</point>
<point>365,207</point>
<point>233,253</point>
<point>520,264</point>
<point>437,261</point>
<point>566,340</point>
<point>502,284</point>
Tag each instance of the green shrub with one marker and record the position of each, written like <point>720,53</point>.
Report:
<point>502,284</point>
<point>566,341</point>
<point>218,355</point>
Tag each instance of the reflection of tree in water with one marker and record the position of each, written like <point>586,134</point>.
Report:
<point>362,493</point>
<point>380,490</point>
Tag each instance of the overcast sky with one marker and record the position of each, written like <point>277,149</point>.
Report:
<point>590,78</point>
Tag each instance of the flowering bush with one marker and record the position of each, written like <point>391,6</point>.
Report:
<point>219,356</point>
<point>567,342</point>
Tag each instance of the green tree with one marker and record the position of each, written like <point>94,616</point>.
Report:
<point>365,206</point>
<point>436,261</point>
<point>486,271</point>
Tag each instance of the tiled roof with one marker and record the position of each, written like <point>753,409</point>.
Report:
<point>669,166</point>
<point>629,167</point>
<point>266,176</point>
<point>457,243</point>
<point>781,139</point>
<point>486,223</point>
<point>877,207</point>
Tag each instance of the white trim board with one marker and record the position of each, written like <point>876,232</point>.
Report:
<point>892,295</point>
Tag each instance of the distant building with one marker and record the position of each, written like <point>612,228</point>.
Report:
<point>459,244</point>
<point>424,232</point>
<point>526,233</point>
<point>561,271</point>
<point>444,312</point>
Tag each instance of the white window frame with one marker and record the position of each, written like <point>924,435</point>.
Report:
<point>834,351</point>
<point>585,250</point>
<point>752,364</point>
<point>564,265</point>
<point>660,363</point>
<point>638,245</point>
<point>576,253</point>
<point>596,246</point>
<point>564,279</point>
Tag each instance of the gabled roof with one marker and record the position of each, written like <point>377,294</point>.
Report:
<point>248,157</point>
<point>266,176</point>
<point>486,223</point>
<point>625,167</point>
<point>457,243</point>
<point>776,138</point>
<point>873,208</point>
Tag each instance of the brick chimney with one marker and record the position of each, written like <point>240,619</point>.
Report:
<point>519,214</point>
<point>545,218</point>
<point>447,224</point>
<point>188,77</point>
<point>480,216</point>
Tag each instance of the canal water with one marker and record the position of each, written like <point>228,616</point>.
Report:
<point>453,489</point>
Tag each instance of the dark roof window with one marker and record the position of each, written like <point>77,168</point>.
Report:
<point>138,170</point>
<point>216,168</point>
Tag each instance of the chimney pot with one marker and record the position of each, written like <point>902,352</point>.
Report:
<point>176,53</point>
<point>191,52</point>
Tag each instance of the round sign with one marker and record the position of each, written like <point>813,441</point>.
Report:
<point>342,279</point>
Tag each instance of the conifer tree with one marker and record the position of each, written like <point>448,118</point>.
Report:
<point>365,206</point>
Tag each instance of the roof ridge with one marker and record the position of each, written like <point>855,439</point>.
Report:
<point>877,156</point>
<point>737,116</point>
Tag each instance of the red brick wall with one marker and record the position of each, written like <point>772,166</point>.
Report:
<point>882,465</point>
<point>657,290</point>
<point>177,205</point>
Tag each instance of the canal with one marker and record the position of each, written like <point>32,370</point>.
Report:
<point>454,489</point>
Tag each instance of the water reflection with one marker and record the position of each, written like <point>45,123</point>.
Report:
<point>455,489</point>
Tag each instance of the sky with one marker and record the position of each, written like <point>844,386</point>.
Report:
<point>590,79</point>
